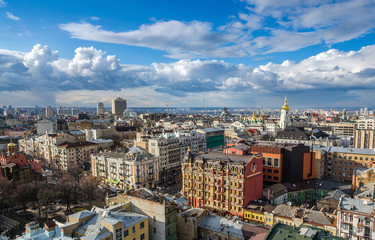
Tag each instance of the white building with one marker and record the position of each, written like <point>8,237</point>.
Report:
<point>355,219</point>
<point>284,118</point>
<point>46,125</point>
<point>49,111</point>
<point>366,123</point>
<point>133,170</point>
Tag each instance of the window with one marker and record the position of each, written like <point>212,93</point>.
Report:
<point>142,236</point>
<point>269,161</point>
<point>275,171</point>
<point>142,225</point>
<point>126,233</point>
<point>133,229</point>
<point>119,234</point>
<point>276,162</point>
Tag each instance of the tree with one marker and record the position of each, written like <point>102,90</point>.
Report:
<point>66,189</point>
<point>6,190</point>
<point>88,188</point>
<point>46,196</point>
<point>24,194</point>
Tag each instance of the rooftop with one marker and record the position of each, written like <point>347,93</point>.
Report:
<point>357,205</point>
<point>350,150</point>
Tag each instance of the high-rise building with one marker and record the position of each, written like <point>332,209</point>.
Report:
<point>364,138</point>
<point>100,109</point>
<point>118,106</point>
<point>49,111</point>
<point>75,111</point>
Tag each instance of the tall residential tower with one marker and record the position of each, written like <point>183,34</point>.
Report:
<point>118,106</point>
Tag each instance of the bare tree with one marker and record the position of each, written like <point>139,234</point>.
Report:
<point>6,190</point>
<point>66,189</point>
<point>46,196</point>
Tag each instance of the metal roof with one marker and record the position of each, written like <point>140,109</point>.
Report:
<point>357,205</point>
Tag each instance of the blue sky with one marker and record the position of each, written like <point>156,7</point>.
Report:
<point>230,53</point>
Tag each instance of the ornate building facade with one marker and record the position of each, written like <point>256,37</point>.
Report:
<point>222,182</point>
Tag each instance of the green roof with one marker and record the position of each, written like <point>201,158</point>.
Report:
<point>283,232</point>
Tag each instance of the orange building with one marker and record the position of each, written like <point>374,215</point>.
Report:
<point>272,161</point>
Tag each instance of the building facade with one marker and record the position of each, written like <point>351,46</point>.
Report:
<point>355,219</point>
<point>222,182</point>
<point>118,106</point>
<point>341,162</point>
<point>100,109</point>
<point>364,138</point>
<point>132,170</point>
<point>168,150</point>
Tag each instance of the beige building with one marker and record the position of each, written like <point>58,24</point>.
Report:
<point>61,150</point>
<point>364,138</point>
<point>341,162</point>
<point>132,170</point>
<point>345,129</point>
<point>187,223</point>
<point>168,149</point>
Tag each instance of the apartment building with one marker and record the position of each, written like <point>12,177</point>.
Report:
<point>167,149</point>
<point>132,170</point>
<point>364,138</point>
<point>341,162</point>
<point>61,150</point>
<point>222,182</point>
<point>355,219</point>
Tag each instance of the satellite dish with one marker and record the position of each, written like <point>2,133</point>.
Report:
<point>289,203</point>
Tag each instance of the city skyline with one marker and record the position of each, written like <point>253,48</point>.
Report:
<point>243,53</point>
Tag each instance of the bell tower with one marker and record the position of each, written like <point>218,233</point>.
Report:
<point>284,118</point>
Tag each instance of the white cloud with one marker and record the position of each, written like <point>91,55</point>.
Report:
<point>92,70</point>
<point>2,3</point>
<point>94,18</point>
<point>267,26</point>
<point>12,17</point>
<point>179,39</point>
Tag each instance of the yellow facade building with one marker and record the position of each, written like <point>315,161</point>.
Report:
<point>107,224</point>
<point>257,212</point>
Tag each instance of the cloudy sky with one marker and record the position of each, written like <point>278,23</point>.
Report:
<point>227,53</point>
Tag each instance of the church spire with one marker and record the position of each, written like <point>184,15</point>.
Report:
<point>285,107</point>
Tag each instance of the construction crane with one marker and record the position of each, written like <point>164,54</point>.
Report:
<point>147,107</point>
<point>168,103</point>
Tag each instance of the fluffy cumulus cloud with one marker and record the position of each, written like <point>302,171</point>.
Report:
<point>92,70</point>
<point>264,27</point>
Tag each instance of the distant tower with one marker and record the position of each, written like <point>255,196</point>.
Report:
<point>49,111</point>
<point>284,118</point>
<point>118,106</point>
<point>74,111</point>
<point>100,109</point>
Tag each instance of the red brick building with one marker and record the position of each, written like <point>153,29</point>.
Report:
<point>222,182</point>
<point>20,159</point>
